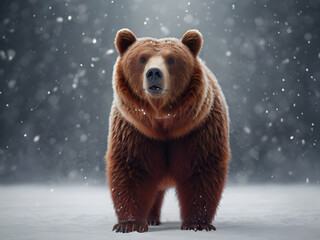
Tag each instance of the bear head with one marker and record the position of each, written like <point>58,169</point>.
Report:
<point>159,79</point>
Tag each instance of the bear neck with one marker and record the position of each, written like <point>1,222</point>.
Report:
<point>169,121</point>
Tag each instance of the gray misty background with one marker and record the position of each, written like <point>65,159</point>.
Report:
<point>56,60</point>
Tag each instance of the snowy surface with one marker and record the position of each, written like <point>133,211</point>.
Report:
<point>78,212</point>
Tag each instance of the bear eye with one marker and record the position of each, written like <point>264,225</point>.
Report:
<point>170,61</point>
<point>142,60</point>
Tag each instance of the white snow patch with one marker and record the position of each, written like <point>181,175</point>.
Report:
<point>247,130</point>
<point>165,30</point>
<point>95,59</point>
<point>286,61</point>
<point>228,53</point>
<point>83,137</point>
<point>12,83</point>
<point>188,19</point>
<point>11,54</point>
<point>109,51</point>
<point>36,138</point>
<point>78,212</point>
<point>3,55</point>
<point>59,19</point>
<point>77,76</point>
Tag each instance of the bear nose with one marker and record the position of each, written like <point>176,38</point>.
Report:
<point>154,74</point>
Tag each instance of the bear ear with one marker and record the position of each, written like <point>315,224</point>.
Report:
<point>193,40</point>
<point>123,40</point>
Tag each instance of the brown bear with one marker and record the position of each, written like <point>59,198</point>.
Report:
<point>169,127</point>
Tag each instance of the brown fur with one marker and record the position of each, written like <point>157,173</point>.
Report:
<point>180,139</point>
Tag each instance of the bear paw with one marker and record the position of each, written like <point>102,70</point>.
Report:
<point>154,222</point>
<point>198,226</point>
<point>130,226</point>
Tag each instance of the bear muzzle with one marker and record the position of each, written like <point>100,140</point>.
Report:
<point>155,83</point>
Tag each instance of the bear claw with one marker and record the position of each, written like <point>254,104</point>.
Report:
<point>154,222</point>
<point>130,226</point>
<point>198,226</point>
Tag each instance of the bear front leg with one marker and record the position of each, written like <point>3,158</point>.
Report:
<point>154,215</point>
<point>132,205</point>
<point>132,197</point>
<point>199,197</point>
<point>135,165</point>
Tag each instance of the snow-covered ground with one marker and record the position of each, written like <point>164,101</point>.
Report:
<point>78,212</point>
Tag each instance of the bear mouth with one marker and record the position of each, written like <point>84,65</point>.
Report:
<point>155,88</point>
<point>156,91</point>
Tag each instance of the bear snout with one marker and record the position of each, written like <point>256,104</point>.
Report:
<point>154,75</point>
<point>155,83</point>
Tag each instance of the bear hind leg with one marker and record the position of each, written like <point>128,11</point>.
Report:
<point>154,215</point>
